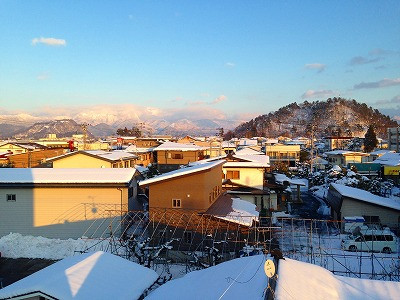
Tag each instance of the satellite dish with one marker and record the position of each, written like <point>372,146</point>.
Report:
<point>269,268</point>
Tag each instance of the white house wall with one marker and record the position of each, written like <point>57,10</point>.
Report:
<point>352,208</point>
<point>252,177</point>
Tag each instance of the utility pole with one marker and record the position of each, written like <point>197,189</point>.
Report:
<point>312,147</point>
<point>84,127</point>
<point>140,125</point>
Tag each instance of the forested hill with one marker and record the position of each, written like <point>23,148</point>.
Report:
<point>334,116</point>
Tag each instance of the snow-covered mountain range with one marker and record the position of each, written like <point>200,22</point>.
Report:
<point>102,125</point>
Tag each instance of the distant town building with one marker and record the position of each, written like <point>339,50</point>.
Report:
<point>393,139</point>
<point>95,159</point>
<point>343,157</point>
<point>287,154</point>
<point>337,142</point>
<point>170,155</point>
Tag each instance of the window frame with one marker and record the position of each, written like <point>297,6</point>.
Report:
<point>175,203</point>
<point>187,237</point>
<point>11,197</point>
<point>232,174</point>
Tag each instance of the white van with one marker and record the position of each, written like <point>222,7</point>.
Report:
<point>372,240</point>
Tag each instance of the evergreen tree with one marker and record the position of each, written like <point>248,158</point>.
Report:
<point>370,141</point>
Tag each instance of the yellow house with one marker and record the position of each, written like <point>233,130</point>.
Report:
<point>246,170</point>
<point>195,187</point>
<point>212,147</point>
<point>18,148</point>
<point>170,155</point>
<point>343,157</point>
<point>145,155</point>
<point>65,203</point>
<point>95,159</point>
<point>279,153</point>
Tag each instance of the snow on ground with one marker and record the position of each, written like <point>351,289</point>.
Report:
<point>241,278</point>
<point>98,275</point>
<point>15,245</point>
<point>299,280</point>
<point>323,248</point>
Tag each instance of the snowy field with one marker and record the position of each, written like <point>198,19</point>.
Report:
<point>321,245</point>
<point>15,245</point>
<point>244,278</point>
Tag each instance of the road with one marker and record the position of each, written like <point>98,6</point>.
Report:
<point>309,208</point>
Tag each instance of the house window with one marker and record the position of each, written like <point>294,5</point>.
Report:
<point>187,237</point>
<point>130,192</point>
<point>11,197</point>
<point>178,156</point>
<point>127,164</point>
<point>233,175</point>
<point>176,203</point>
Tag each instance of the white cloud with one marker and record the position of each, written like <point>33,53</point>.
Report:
<point>230,64</point>
<point>377,84</point>
<point>43,76</point>
<point>360,60</point>
<point>317,94</point>
<point>394,100</point>
<point>315,66</point>
<point>219,99</point>
<point>49,41</point>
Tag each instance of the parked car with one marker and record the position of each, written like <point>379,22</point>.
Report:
<point>372,241</point>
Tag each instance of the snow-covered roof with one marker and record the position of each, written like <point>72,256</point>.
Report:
<point>256,158</point>
<point>181,172</point>
<point>345,152</point>
<point>300,280</point>
<point>133,148</point>
<point>203,161</point>
<point>171,146</point>
<point>113,156</point>
<point>50,175</point>
<point>116,155</point>
<point>381,152</point>
<point>365,196</point>
<point>242,212</point>
<point>228,144</point>
<point>98,275</point>
<point>295,142</point>
<point>248,151</point>
<point>389,159</point>
<point>246,164</point>
<point>247,142</point>
<point>212,283</point>
<point>280,178</point>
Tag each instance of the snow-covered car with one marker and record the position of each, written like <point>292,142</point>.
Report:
<point>372,241</point>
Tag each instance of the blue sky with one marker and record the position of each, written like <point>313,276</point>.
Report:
<point>229,58</point>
